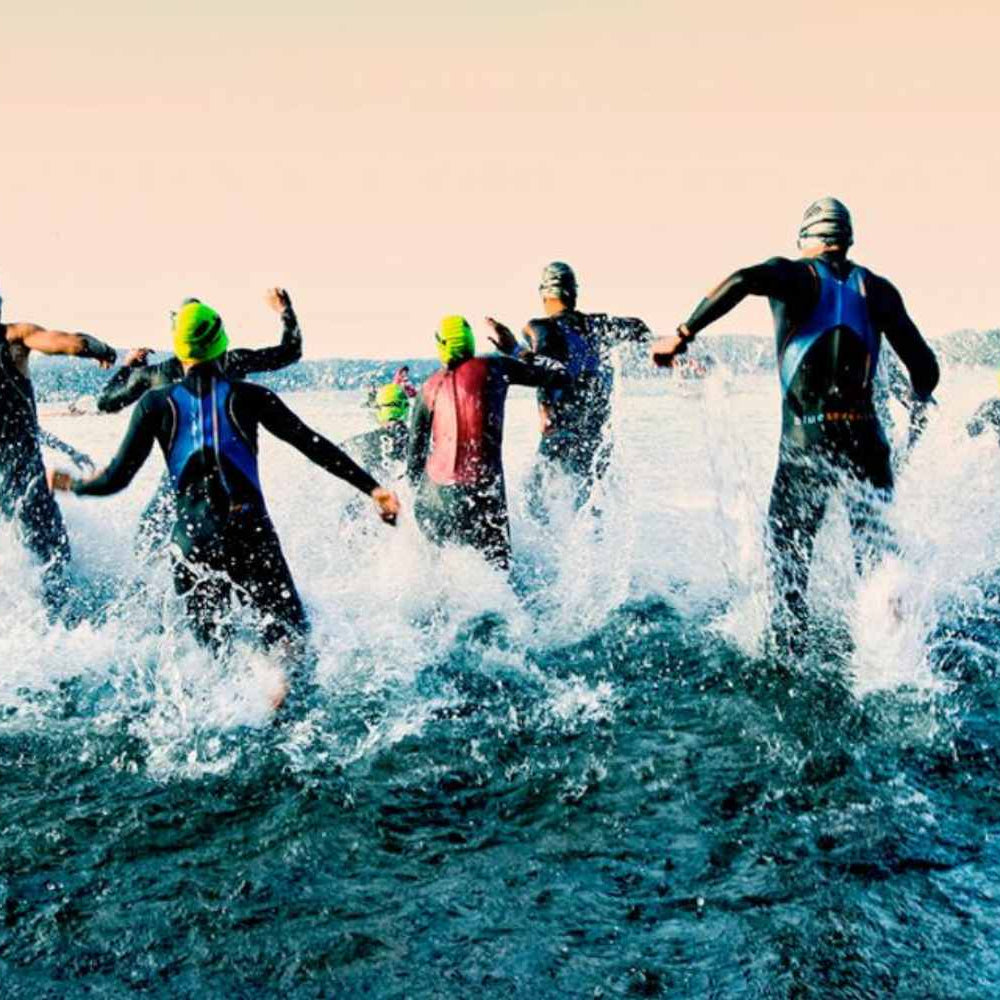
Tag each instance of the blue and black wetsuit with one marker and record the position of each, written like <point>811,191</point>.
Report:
<point>577,413</point>
<point>128,385</point>
<point>829,316</point>
<point>224,542</point>
<point>24,496</point>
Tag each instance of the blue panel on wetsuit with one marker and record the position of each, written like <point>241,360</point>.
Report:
<point>842,304</point>
<point>582,358</point>
<point>203,424</point>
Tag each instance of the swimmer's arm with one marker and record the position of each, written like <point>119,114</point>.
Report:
<point>627,330</point>
<point>132,453</point>
<point>284,424</point>
<point>535,370</point>
<point>125,387</point>
<point>892,318</point>
<point>80,345</point>
<point>245,361</point>
<point>776,278</point>
<point>420,440</point>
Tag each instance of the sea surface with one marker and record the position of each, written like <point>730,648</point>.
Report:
<point>589,780</point>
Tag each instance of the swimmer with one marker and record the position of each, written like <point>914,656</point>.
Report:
<point>830,315</point>
<point>23,496</point>
<point>455,457</point>
<point>137,376</point>
<point>575,416</point>
<point>224,544</point>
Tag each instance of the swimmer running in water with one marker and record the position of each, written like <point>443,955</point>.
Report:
<point>575,416</point>
<point>829,316</point>
<point>224,544</point>
<point>456,436</point>
<point>137,376</point>
<point>23,496</point>
<point>383,450</point>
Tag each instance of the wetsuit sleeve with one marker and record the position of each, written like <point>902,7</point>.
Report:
<point>420,440</point>
<point>777,278</point>
<point>987,417</point>
<point>284,424</point>
<point>540,371</point>
<point>894,322</point>
<point>132,453</point>
<point>240,363</point>
<point>626,330</point>
<point>125,387</point>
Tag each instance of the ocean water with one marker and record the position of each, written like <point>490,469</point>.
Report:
<point>586,781</point>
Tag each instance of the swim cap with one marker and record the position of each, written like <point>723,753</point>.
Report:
<point>455,341</point>
<point>198,333</point>
<point>826,222</point>
<point>559,282</point>
<point>391,404</point>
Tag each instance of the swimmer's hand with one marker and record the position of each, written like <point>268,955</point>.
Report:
<point>387,503</point>
<point>59,481</point>
<point>137,357</point>
<point>665,349</point>
<point>278,299</point>
<point>502,339</point>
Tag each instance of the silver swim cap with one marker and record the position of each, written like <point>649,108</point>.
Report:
<point>558,282</point>
<point>826,222</point>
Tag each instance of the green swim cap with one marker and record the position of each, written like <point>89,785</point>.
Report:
<point>199,334</point>
<point>391,404</point>
<point>455,341</point>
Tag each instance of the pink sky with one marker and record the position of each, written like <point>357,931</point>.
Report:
<point>389,166</point>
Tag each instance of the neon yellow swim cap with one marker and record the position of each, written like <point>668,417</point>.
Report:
<point>391,404</point>
<point>199,334</point>
<point>455,340</point>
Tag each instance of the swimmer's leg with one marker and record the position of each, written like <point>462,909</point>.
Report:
<point>43,532</point>
<point>799,496</point>
<point>869,492</point>
<point>207,595</point>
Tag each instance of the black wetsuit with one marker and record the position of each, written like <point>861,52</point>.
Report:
<point>224,542</point>
<point>574,438</point>
<point>829,316</point>
<point>382,451</point>
<point>24,496</point>
<point>128,385</point>
<point>455,456</point>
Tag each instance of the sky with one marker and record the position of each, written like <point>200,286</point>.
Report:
<point>392,163</point>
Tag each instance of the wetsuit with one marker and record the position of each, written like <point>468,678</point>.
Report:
<point>24,497</point>
<point>224,544</point>
<point>455,457</point>
<point>128,385</point>
<point>829,317</point>
<point>382,451</point>
<point>576,415</point>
